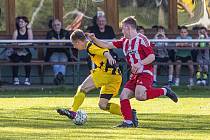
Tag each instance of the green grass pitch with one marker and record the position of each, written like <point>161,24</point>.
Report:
<point>31,115</point>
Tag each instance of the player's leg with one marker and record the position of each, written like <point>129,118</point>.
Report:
<point>79,97</point>
<point>109,90</point>
<point>144,90</point>
<point>126,110</point>
<point>104,104</point>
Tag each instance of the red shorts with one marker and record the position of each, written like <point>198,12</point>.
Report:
<point>143,79</point>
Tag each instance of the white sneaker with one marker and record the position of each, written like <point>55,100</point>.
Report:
<point>27,82</point>
<point>16,81</point>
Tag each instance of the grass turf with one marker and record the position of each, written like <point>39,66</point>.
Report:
<point>31,115</point>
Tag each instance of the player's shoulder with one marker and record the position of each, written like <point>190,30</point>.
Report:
<point>144,40</point>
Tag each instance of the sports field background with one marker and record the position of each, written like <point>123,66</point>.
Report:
<point>31,115</point>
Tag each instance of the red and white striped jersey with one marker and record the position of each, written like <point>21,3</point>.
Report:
<point>135,50</point>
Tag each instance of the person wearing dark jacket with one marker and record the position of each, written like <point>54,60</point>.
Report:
<point>58,54</point>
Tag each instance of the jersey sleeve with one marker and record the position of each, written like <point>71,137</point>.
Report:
<point>118,43</point>
<point>147,47</point>
<point>95,50</point>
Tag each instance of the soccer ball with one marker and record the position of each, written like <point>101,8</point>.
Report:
<point>81,117</point>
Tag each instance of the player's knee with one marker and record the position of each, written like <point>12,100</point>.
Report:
<point>140,95</point>
<point>102,106</point>
<point>82,88</point>
<point>124,95</point>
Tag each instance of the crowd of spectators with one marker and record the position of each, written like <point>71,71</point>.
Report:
<point>197,73</point>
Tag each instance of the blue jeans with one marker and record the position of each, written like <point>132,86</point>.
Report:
<point>59,57</point>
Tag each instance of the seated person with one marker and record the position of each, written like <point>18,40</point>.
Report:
<point>140,29</point>
<point>101,31</point>
<point>58,54</point>
<point>162,55</point>
<point>23,32</point>
<point>202,58</point>
<point>184,56</point>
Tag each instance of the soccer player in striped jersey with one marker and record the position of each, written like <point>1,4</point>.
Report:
<point>139,56</point>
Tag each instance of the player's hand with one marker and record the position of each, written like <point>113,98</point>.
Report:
<point>112,61</point>
<point>90,35</point>
<point>137,68</point>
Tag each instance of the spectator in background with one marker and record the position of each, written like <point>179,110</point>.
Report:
<point>140,29</point>
<point>23,32</point>
<point>184,56</point>
<point>162,55</point>
<point>202,58</point>
<point>58,54</point>
<point>101,31</point>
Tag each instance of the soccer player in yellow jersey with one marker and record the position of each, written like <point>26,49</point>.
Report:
<point>106,75</point>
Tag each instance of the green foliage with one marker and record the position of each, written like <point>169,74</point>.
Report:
<point>31,115</point>
<point>87,7</point>
<point>147,13</point>
<point>27,8</point>
<point>2,16</point>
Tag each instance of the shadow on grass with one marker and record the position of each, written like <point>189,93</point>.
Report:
<point>156,121</point>
<point>182,92</point>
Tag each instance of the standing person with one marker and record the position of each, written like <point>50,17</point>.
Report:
<point>58,54</point>
<point>23,32</point>
<point>184,56</point>
<point>106,75</point>
<point>202,58</point>
<point>162,55</point>
<point>139,55</point>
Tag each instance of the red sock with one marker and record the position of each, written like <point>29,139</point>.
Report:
<point>126,109</point>
<point>154,93</point>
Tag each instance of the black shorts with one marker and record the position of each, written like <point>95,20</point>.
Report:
<point>106,96</point>
<point>184,59</point>
<point>164,59</point>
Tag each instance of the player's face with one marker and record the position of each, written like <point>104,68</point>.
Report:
<point>78,44</point>
<point>126,30</point>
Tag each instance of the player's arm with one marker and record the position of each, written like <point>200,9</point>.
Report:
<point>99,42</point>
<point>111,60</point>
<point>149,59</point>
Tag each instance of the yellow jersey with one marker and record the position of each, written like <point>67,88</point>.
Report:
<point>96,54</point>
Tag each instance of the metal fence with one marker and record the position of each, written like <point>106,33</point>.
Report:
<point>43,44</point>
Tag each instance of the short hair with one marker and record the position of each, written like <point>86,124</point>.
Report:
<point>140,28</point>
<point>183,27</point>
<point>203,28</point>
<point>131,21</point>
<point>77,35</point>
<point>161,27</point>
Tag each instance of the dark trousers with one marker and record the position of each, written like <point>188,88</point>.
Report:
<point>16,58</point>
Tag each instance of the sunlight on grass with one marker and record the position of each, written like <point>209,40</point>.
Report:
<point>26,118</point>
